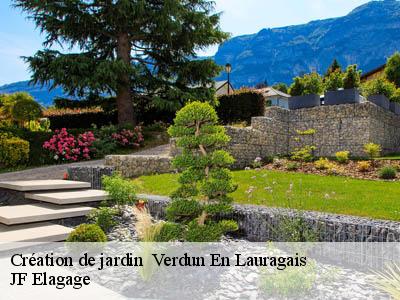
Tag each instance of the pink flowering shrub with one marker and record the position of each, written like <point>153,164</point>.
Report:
<point>65,147</point>
<point>129,138</point>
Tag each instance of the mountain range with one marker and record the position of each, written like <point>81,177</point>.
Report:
<point>366,37</point>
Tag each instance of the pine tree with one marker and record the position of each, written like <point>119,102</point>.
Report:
<point>127,48</point>
<point>335,66</point>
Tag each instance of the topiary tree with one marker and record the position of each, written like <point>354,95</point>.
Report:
<point>25,110</point>
<point>392,69</point>
<point>87,233</point>
<point>334,81</point>
<point>205,174</point>
<point>351,78</point>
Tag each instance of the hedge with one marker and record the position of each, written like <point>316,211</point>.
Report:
<point>83,120</point>
<point>13,151</point>
<point>240,106</point>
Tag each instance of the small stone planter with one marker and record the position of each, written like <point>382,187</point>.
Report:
<point>380,100</point>
<point>305,101</point>
<point>346,96</point>
<point>395,107</point>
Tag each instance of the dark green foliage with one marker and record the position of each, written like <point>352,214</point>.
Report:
<point>240,106</point>
<point>87,233</point>
<point>103,217</point>
<point>83,120</point>
<point>183,210</point>
<point>204,171</point>
<point>281,86</point>
<point>351,78</point>
<point>108,104</point>
<point>209,232</point>
<point>392,69</point>
<point>170,232</point>
<point>387,173</point>
<point>127,48</point>
<point>334,67</point>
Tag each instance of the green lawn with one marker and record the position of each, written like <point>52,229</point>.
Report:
<point>375,199</point>
<point>390,157</point>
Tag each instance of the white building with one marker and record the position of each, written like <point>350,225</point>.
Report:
<point>275,97</point>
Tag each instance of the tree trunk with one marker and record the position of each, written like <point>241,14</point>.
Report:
<point>126,114</point>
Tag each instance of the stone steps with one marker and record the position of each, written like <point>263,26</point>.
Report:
<point>59,199</point>
<point>30,213</point>
<point>69,197</point>
<point>36,232</point>
<point>43,185</point>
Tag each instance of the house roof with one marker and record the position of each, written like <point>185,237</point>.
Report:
<point>376,70</point>
<point>270,92</point>
<point>220,84</point>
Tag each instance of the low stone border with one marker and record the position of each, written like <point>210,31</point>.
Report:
<point>91,174</point>
<point>260,223</point>
<point>138,165</point>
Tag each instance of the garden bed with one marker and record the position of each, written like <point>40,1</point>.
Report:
<point>349,169</point>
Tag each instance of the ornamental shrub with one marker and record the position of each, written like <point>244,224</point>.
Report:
<point>363,166</point>
<point>240,106</point>
<point>121,190</point>
<point>351,78</point>
<point>323,164</point>
<point>65,147</point>
<point>334,81</point>
<point>87,233</point>
<point>379,86</point>
<point>129,138</point>
<point>308,84</point>
<point>372,150</point>
<point>169,232</point>
<point>387,172</point>
<point>26,109</point>
<point>292,166</point>
<point>342,157</point>
<point>104,217</point>
<point>13,150</point>
<point>204,165</point>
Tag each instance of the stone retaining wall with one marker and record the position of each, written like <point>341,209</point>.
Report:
<point>338,128</point>
<point>260,223</point>
<point>138,165</point>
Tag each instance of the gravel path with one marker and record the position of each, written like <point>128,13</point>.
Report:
<point>57,171</point>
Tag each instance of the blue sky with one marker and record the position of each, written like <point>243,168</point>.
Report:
<point>18,36</point>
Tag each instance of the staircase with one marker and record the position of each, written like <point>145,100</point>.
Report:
<point>49,201</point>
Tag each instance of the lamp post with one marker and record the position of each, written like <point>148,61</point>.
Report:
<point>228,69</point>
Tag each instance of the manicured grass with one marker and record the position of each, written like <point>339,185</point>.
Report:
<point>390,157</point>
<point>341,195</point>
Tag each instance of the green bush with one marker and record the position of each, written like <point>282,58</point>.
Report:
<point>351,78</point>
<point>308,84</point>
<point>104,217</point>
<point>387,173</point>
<point>240,106</point>
<point>392,69</point>
<point>292,166</point>
<point>121,191</point>
<point>169,232</point>
<point>87,233</point>
<point>26,109</point>
<point>379,86</point>
<point>183,210</point>
<point>13,151</point>
<point>396,96</point>
<point>334,81</point>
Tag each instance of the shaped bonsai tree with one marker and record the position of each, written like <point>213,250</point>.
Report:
<point>205,180</point>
